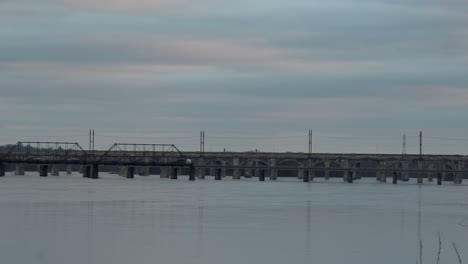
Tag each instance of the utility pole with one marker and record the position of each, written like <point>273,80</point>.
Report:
<point>202,143</point>
<point>420,145</point>
<point>404,144</point>
<point>90,140</point>
<point>310,141</point>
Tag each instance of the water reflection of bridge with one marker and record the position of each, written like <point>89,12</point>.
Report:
<point>131,158</point>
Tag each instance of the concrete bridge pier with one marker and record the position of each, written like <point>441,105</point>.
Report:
<point>345,165</point>
<point>122,171</point>
<point>43,170</point>
<point>191,173</point>
<point>201,173</point>
<point>383,175</point>
<point>257,172</point>
<point>223,170</point>
<point>54,170</point>
<point>236,175</point>
<point>95,171</point>
<point>165,171</point>
<point>88,171</point>
<point>350,176</point>
<point>327,170</point>
<point>218,174</point>
<point>300,174</point>
<point>19,169</point>
<point>404,173</point>
<point>145,171</point>
<point>439,178</point>
<point>421,171</point>
<point>130,172</point>
<point>69,170</point>
<point>430,176</point>
<point>174,173</point>
<point>395,177</point>
<point>261,177</point>
<point>2,169</point>
<point>458,176</point>
<point>305,178</point>
<point>273,171</point>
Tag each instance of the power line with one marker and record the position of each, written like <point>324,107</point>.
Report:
<point>443,138</point>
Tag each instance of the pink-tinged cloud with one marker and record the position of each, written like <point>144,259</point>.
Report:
<point>446,95</point>
<point>127,5</point>
<point>328,109</point>
<point>107,72</point>
<point>243,53</point>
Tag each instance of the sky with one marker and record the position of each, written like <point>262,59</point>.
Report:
<point>253,74</point>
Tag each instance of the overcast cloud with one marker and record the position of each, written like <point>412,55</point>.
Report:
<point>264,71</point>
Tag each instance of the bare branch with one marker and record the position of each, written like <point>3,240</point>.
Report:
<point>456,251</point>
<point>440,248</point>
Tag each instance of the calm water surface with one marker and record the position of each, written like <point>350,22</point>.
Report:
<point>69,219</point>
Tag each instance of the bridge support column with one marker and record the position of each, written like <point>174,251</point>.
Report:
<point>350,176</point>
<point>381,173</point>
<point>122,171</point>
<point>404,173</point>
<point>191,173</point>
<point>55,170</point>
<point>395,177</point>
<point>300,174</point>
<point>218,174</point>
<point>2,169</point>
<point>144,171</point>
<point>248,173</point>
<point>430,176</point>
<point>236,170</point>
<point>458,176</point>
<point>174,172</point>
<point>223,169</point>
<point>164,172</point>
<point>257,172</point>
<point>236,174</point>
<point>95,171</point>
<point>69,169</point>
<point>311,174</point>
<point>201,173</point>
<point>305,178</point>
<point>421,171</point>
<point>19,169</point>
<point>261,177</point>
<point>87,171</point>
<point>345,165</point>
<point>327,170</point>
<point>439,178</point>
<point>273,170</point>
<point>43,170</point>
<point>130,172</point>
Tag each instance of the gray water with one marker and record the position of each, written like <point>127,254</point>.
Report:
<point>69,219</point>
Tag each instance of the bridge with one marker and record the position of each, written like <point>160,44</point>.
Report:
<point>171,161</point>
